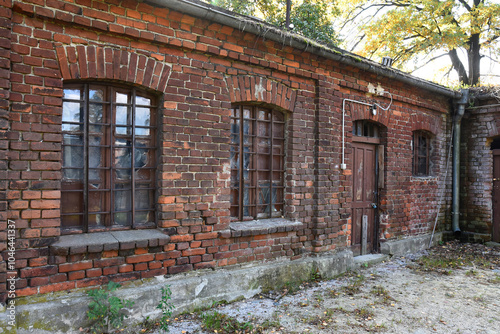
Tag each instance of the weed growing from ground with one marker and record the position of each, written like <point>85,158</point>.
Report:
<point>105,311</point>
<point>166,307</point>
<point>355,286</point>
<point>380,291</point>
<point>222,323</point>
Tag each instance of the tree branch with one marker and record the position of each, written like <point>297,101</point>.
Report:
<point>429,61</point>
<point>466,5</point>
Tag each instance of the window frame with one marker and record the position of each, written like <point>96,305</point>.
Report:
<point>107,151</point>
<point>253,153</point>
<point>417,154</point>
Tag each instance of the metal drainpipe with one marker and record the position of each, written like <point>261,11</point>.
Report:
<point>455,203</point>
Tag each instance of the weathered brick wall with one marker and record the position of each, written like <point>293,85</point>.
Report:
<point>5,45</point>
<point>480,125</point>
<point>200,68</point>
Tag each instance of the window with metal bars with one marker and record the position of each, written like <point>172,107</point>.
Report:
<point>421,153</point>
<point>257,163</point>
<point>108,165</point>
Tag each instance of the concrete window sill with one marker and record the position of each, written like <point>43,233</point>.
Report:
<point>423,178</point>
<point>262,226</point>
<point>106,241</point>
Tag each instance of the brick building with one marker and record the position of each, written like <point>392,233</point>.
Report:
<point>128,125</point>
<point>480,163</point>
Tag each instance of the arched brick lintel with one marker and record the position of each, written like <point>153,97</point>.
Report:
<point>96,62</point>
<point>426,122</point>
<point>363,112</point>
<point>247,88</point>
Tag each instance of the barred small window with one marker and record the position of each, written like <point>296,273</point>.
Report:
<point>109,166</point>
<point>257,163</point>
<point>421,153</point>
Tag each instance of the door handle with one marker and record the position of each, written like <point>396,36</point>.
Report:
<point>374,205</point>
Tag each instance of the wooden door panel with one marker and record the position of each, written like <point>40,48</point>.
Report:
<point>364,194</point>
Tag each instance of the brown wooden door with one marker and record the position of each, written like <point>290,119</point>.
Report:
<point>496,196</point>
<point>364,197</point>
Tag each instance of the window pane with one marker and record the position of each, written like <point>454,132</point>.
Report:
<point>141,157</point>
<point>144,199</point>
<point>96,113</point>
<point>72,94</point>
<point>143,117</point>
<point>72,202</point>
<point>142,101</point>
<point>96,94</point>
<point>72,112</point>
<point>422,146</point>
<point>121,98</point>
<point>123,115</point>
<point>422,166</point>
<point>98,220</point>
<point>123,200</point>
<point>97,201</point>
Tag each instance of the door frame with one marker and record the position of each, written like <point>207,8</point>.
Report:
<point>379,182</point>
<point>495,195</point>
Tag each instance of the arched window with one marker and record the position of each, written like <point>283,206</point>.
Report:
<point>109,150</point>
<point>421,153</point>
<point>257,163</point>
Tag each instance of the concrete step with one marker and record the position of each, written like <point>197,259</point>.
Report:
<point>369,259</point>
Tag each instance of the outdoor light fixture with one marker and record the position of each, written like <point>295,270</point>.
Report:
<point>374,109</point>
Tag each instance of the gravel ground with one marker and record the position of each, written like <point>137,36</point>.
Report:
<point>453,288</point>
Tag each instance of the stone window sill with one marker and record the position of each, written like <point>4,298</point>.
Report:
<point>423,178</point>
<point>107,241</point>
<point>262,226</point>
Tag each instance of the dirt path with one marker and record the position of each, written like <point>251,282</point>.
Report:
<point>446,291</point>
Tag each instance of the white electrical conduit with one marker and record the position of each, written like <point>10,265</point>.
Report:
<point>374,111</point>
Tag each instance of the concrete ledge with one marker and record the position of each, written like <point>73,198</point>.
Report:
<point>65,312</point>
<point>105,241</point>
<point>409,245</point>
<point>263,226</point>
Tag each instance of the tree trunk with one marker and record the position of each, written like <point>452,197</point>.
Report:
<point>474,59</point>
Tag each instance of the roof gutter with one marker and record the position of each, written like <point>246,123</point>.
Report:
<point>268,31</point>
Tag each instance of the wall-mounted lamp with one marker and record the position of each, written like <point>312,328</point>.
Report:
<point>374,109</point>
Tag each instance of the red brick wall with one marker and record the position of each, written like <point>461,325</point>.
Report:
<point>200,68</point>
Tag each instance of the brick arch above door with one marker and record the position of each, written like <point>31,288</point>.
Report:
<point>363,112</point>
<point>96,62</point>
<point>248,88</point>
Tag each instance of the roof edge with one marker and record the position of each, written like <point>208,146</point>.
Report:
<point>264,29</point>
